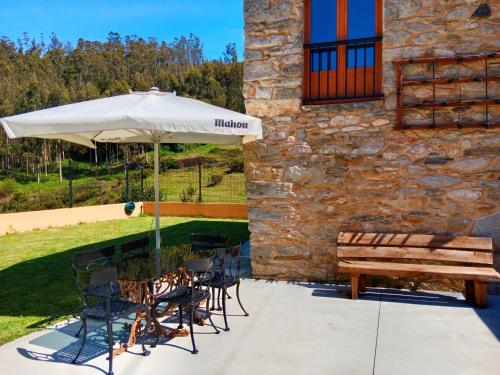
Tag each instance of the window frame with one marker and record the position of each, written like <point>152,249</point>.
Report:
<point>341,70</point>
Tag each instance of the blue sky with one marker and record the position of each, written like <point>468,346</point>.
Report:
<point>216,22</point>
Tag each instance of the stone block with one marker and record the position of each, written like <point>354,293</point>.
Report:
<point>264,93</point>
<point>259,214</point>
<point>440,181</point>
<point>269,189</point>
<point>293,251</point>
<point>435,159</point>
<point>464,195</point>
<point>488,226</point>
<point>470,165</point>
<point>300,175</point>
<point>371,147</point>
<point>260,70</point>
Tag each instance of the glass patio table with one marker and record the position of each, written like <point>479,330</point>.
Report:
<point>140,283</point>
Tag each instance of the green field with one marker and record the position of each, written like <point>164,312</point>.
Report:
<point>35,272</point>
<point>222,180</point>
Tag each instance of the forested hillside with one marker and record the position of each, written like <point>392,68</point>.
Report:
<point>36,74</point>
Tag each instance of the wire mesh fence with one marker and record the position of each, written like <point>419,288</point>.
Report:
<point>77,184</point>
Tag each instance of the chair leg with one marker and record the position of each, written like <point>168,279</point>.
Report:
<point>84,326</point>
<point>209,315</point>
<point>181,319</point>
<point>146,352</point>
<point>239,300</point>
<point>109,328</point>
<point>191,318</point>
<point>224,309</point>
<point>213,299</point>
<point>227,295</point>
<point>354,286</point>
<point>219,308</point>
<point>153,314</point>
<point>79,330</point>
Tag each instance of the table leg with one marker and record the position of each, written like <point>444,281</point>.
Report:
<point>161,331</point>
<point>134,332</point>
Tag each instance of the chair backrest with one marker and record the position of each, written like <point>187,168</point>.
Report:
<point>98,281</point>
<point>228,260</point>
<point>84,258</point>
<point>200,271</point>
<point>208,241</point>
<point>228,252</point>
<point>85,261</point>
<point>103,276</point>
<point>199,265</point>
<point>135,248</point>
<point>456,249</point>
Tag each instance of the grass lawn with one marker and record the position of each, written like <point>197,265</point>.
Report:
<point>35,273</point>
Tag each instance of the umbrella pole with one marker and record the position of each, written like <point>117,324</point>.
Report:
<point>157,204</point>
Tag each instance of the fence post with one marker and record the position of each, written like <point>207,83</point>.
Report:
<point>126,181</point>
<point>70,181</point>
<point>199,183</point>
<point>109,157</point>
<point>142,182</point>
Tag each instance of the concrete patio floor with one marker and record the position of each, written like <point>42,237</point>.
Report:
<point>298,328</point>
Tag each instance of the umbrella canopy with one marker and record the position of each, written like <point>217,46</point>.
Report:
<point>139,117</point>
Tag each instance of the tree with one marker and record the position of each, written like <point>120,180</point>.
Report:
<point>36,75</point>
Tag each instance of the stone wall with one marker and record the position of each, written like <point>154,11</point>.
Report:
<point>322,169</point>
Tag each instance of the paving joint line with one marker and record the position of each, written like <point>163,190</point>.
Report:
<point>376,336</point>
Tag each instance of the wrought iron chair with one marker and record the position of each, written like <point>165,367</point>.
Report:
<point>201,242</point>
<point>135,248</point>
<point>100,286</point>
<point>87,261</point>
<point>227,275</point>
<point>188,298</point>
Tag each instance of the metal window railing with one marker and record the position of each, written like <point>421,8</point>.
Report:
<point>342,70</point>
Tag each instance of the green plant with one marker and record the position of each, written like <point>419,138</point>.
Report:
<point>236,166</point>
<point>214,180</point>
<point>192,161</point>
<point>187,194</point>
<point>7,187</point>
<point>169,164</point>
<point>148,193</point>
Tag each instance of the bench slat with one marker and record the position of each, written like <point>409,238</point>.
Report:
<point>415,270</point>
<point>415,240</point>
<point>386,252</point>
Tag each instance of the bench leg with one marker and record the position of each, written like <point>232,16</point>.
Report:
<point>363,283</point>
<point>354,286</point>
<point>480,293</point>
<point>469,291</point>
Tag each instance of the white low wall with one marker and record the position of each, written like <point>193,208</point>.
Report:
<point>25,221</point>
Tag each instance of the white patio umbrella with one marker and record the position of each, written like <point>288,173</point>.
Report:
<point>139,117</point>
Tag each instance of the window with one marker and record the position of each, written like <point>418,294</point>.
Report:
<point>342,50</point>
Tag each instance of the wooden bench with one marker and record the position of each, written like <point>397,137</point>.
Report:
<point>405,255</point>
